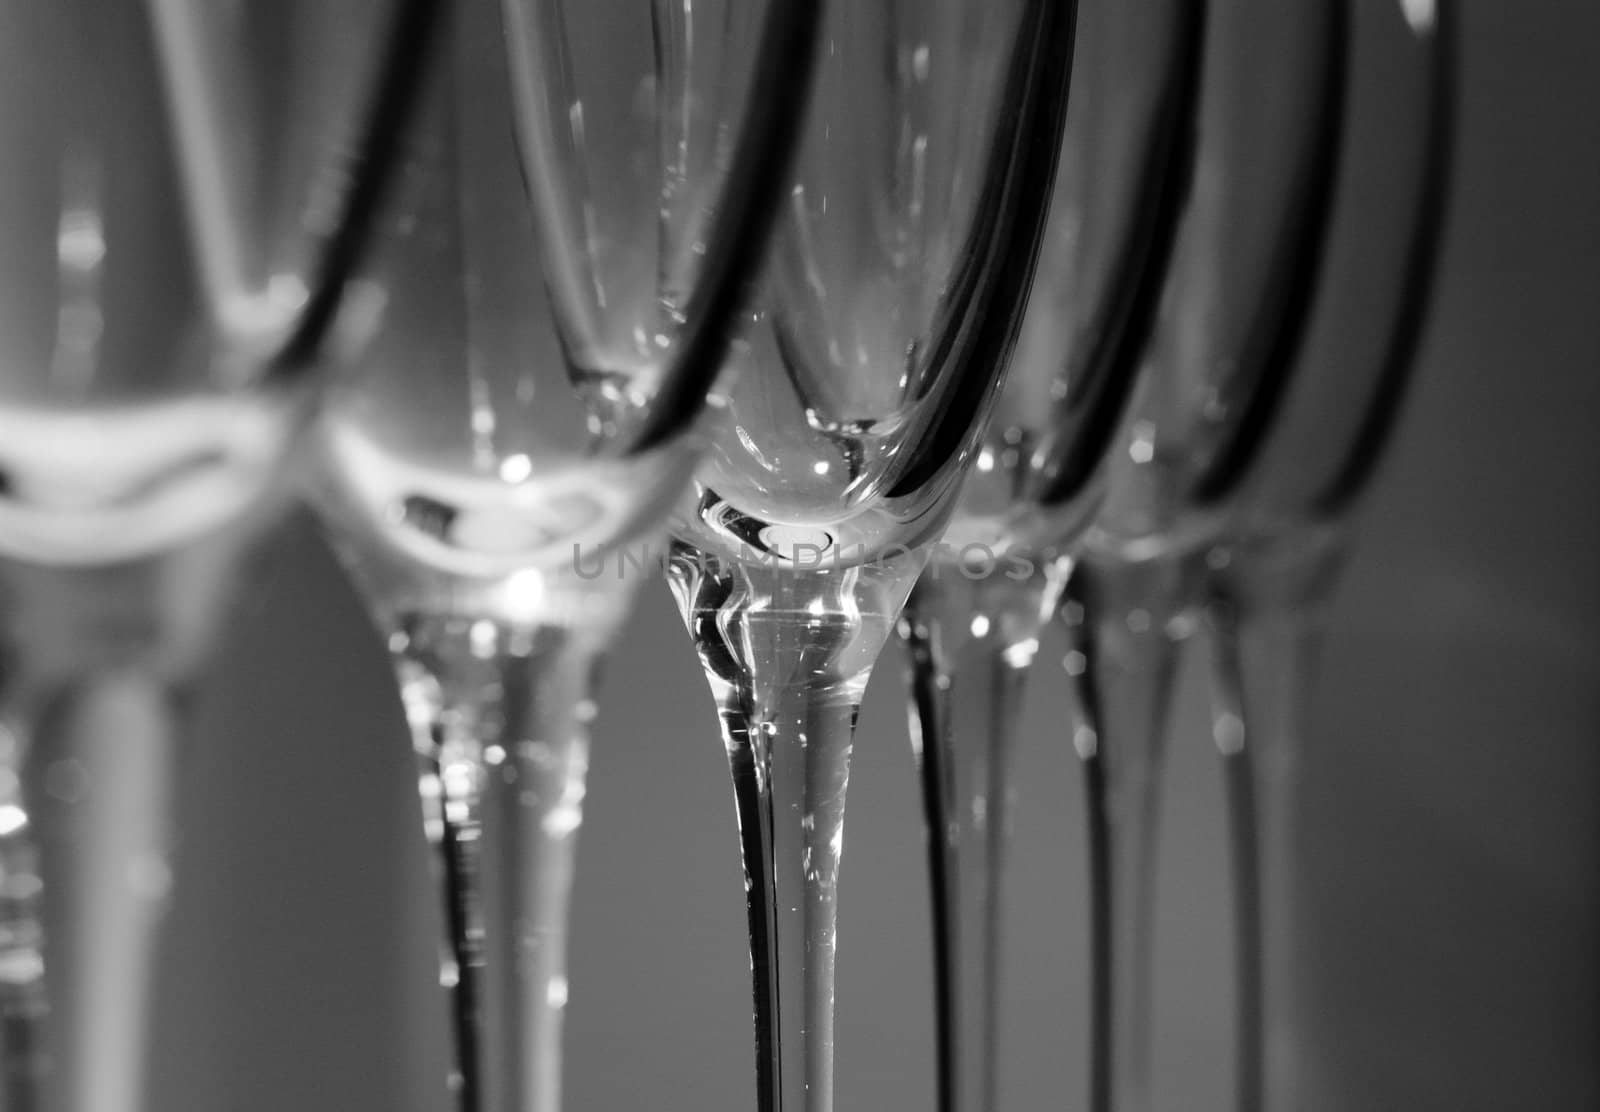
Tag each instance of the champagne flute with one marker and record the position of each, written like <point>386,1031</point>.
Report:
<point>1283,534</point>
<point>1231,314</point>
<point>186,186</point>
<point>892,302</point>
<point>971,628</point>
<point>537,333</point>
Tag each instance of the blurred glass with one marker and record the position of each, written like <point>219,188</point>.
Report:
<point>185,186</point>
<point>1225,331</point>
<point>1279,538</point>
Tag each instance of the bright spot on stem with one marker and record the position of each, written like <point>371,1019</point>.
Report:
<point>483,636</point>
<point>1143,448</point>
<point>1228,732</point>
<point>524,592</point>
<point>1423,15</point>
<point>12,819</point>
<point>1021,654</point>
<point>1086,742</point>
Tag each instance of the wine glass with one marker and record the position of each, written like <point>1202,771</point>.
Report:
<point>1230,315</point>
<point>544,314</point>
<point>186,186</point>
<point>1284,532</point>
<point>891,304</point>
<point>973,621</point>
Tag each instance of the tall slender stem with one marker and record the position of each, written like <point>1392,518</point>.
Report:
<point>1266,616</point>
<point>971,641</point>
<point>94,666</point>
<point>1125,621</point>
<point>499,717</point>
<point>787,654</point>
<point>106,755</point>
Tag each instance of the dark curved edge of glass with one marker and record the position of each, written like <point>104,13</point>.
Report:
<point>1421,277</point>
<point>1270,352</point>
<point>989,292</point>
<point>763,160</point>
<point>1102,934</point>
<point>933,776</point>
<point>1112,367</point>
<point>401,79</point>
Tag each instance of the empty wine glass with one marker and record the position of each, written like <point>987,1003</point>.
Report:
<point>1229,319</point>
<point>1285,530</point>
<point>546,309</point>
<point>891,304</point>
<point>973,621</point>
<point>186,185</point>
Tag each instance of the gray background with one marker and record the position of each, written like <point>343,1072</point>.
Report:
<point>1453,822</point>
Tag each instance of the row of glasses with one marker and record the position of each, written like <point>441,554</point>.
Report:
<point>1179,259</point>
<point>527,352</point>
<point>855,392</point>
<point>1224,335</point>
<point>1273,374</point>
<point>187,185</point>
<point>973,621</point>
<point>1257,421</point>
<point>1281,540</point>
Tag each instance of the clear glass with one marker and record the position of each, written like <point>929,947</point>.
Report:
<point>1226,326</point>
<point>973,622</point>
<point>186,184</point>
<point>1284,531</point>
<point>889,312</point>
<point>577,220</point>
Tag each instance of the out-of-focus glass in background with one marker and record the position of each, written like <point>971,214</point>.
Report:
<point>1454,789</point>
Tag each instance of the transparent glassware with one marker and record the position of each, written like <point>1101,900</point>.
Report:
<point>577,220</point>
<point>1283,533</point>
<point>972,623</point>
<point>1229,318</point>
<point>186,186</point>
<point>891,304</point>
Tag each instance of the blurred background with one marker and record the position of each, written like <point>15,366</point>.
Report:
<point>1453,861</point>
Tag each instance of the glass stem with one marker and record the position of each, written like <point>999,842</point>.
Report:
<point>499,717</point>
<point>1266,619</point>
<point>1125,622</point>
<point>787,654</point>
<point>971,643</point>
<point>86,788</point>
<point>107,754</point>
<point>94,673</point>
